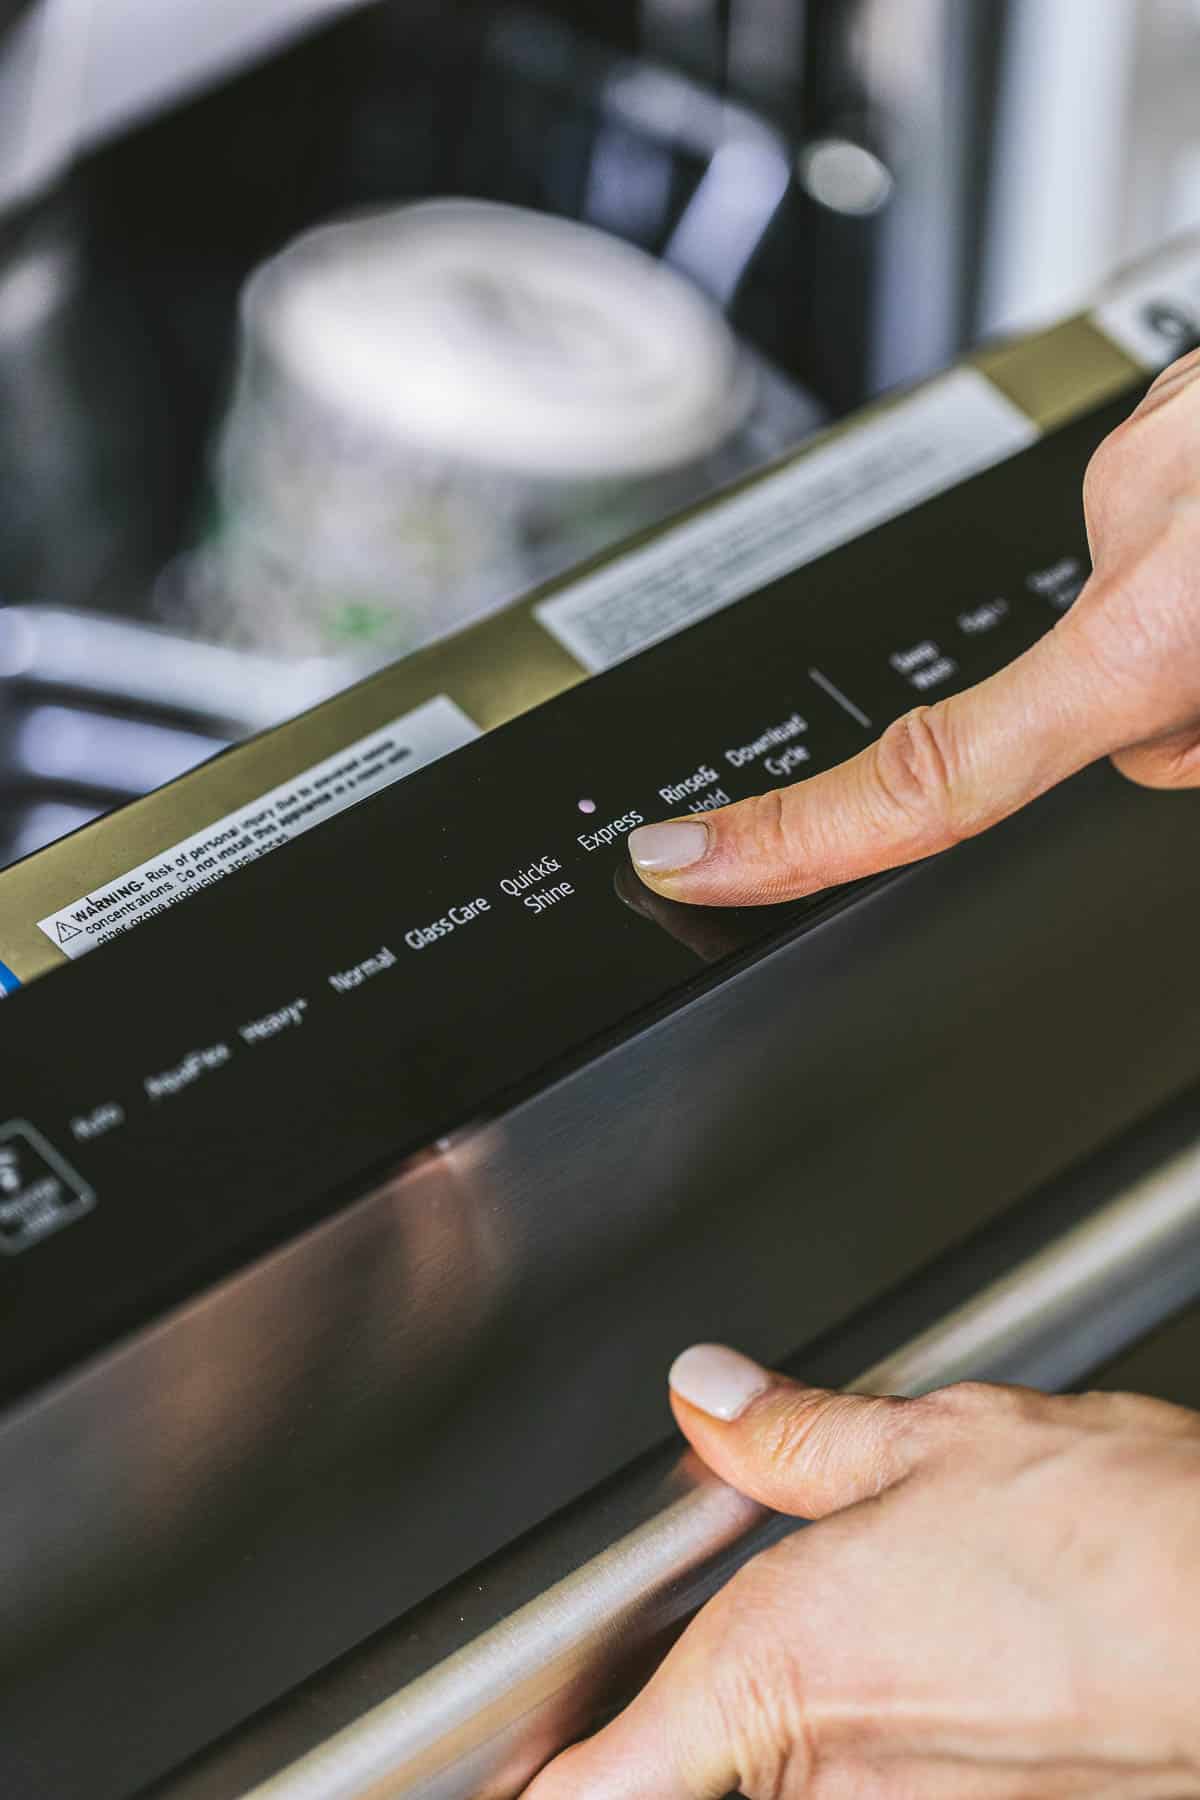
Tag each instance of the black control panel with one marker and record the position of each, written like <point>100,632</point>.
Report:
<point>254,1059</point>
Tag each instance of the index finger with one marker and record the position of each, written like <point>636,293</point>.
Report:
<point>938,775</point>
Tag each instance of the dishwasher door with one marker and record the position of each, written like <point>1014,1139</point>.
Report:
<point>466,1699</point>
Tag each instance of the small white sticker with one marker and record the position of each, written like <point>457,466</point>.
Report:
<point>940,436</point>
<point>262,825</point>
<point>1154,315</point>
<point>39,1190</point>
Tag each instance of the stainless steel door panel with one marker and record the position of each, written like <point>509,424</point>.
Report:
<point>622,1574</point>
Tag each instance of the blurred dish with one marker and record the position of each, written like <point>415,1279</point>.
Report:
<point>442,404</point>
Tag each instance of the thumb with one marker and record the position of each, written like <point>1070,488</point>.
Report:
<point>796,1449</point>
<point>724,1711</point>
<point>938,775</point>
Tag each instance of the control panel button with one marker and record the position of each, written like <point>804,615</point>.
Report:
<point>39,1190</point>
<point>977,621</point>
<point>924,665</point>
<point>1060,583</point>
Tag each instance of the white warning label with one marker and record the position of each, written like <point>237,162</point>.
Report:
<point>1154,314</point>
<point>948,431</point>
<point>261,826</point>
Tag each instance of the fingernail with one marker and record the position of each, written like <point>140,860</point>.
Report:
<point>720,1382</point>
<point>659,849</point>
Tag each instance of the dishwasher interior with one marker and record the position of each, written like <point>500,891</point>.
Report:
<point>816,175</point>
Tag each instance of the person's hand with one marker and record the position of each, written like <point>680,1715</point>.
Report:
<point>1001,1602</point>
<point>1119,676</point>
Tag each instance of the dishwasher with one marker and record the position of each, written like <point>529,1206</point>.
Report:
<point>372,1141</point>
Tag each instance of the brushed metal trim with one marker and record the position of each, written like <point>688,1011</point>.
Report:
<point>478,1724</point>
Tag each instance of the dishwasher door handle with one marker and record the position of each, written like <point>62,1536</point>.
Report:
<point>479,1723</point>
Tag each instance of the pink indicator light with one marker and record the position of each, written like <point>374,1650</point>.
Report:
<point>587,806</point>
